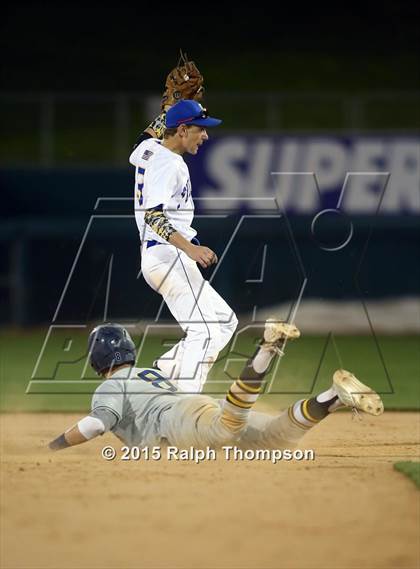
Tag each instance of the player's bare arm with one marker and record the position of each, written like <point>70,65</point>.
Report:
<point>202,255</point>
<point>86,429</point>
<point>156,219</point>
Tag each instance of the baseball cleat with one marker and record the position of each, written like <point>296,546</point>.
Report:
<point>276,332</point>
<point>353,393</point>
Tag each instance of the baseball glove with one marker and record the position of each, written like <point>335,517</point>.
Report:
<point>183,82</point>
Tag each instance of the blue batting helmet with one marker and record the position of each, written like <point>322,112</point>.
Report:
<point>110,345</point>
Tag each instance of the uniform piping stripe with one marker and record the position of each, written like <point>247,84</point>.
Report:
<point>238,401</point>
<point>247,387</point>
<point>238,397</point>
<point>305,412</point>
<point>109,408</point>
<point>232,399</point>
<point>295,421</point>
<point>232,422</point>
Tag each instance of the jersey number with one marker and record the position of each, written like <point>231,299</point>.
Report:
<point>157,380</point>
<point>186,192</point>
<point>140,184</point>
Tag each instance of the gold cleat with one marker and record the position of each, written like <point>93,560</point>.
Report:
<point>276,333</point>
<point>354,394</point>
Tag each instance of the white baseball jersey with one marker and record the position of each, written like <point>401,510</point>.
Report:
<point>162,179</point>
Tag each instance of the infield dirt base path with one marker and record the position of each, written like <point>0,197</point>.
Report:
<point>346,509</point>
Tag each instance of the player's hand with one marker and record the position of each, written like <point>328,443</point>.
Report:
<point>204,256</point>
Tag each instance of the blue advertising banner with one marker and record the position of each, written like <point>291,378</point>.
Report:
<point>309,173</point>
<point>304,174</point>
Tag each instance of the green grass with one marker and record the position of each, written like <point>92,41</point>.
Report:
<point>410,469</point>
<point>306,369</point>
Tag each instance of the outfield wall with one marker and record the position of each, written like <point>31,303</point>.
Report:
<point>330,218</point>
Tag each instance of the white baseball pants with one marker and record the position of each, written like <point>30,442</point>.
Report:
<point>205,317</point>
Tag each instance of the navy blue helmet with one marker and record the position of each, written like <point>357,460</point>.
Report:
<point>110,345</point>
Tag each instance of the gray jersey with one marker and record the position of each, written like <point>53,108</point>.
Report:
<point>137,399</point>
<point>143,408</point>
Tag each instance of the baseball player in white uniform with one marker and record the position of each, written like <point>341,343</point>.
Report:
<point>170,251</point>
<point>144,408</point>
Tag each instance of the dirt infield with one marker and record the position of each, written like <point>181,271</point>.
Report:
<point>346,509</point>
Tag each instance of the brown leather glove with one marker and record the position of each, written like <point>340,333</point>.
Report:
<point>183,82</point>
